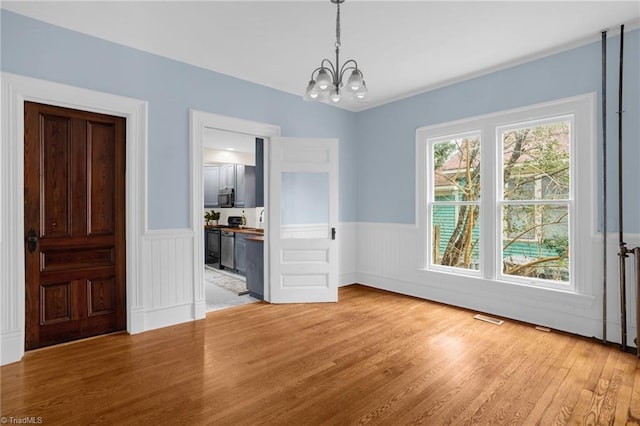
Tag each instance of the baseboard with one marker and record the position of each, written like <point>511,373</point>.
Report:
<point>165,317</point>
<point>347,279</point>
<point>136,320</point>
<point>200,309</point>
<point>12,346</point>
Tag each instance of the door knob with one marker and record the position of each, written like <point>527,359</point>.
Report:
<point>32,240</point>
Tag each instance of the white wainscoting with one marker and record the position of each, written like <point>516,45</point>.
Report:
<point>172,295</point>
<point>346,234</point>
<point>388,258</point>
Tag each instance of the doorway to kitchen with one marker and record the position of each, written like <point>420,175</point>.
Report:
<point>232,206</point>
<point>203,126</point>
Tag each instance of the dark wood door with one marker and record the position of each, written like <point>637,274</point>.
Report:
<point>74,218</point>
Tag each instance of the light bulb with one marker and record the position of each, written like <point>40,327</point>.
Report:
<point>311,92</point>
<point>335,96</point>
<point>362,92</point>
<point>323,81</point>
<point>355,80</point>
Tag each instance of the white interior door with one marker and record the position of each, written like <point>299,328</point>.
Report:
<point>303,215</point>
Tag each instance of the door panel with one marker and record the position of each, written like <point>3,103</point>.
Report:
<point>55,146</point>
<point>74,203</point>
<point>101,178</point>
<point>56,302</point>
<point>303,206</point>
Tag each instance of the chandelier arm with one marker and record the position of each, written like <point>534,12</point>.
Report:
<point>315,71</point>
<point>333,70</point>
<point>349,65</point>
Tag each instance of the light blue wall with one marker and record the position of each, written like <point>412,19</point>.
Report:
<point>377,146</point>
<point>37,49</point>
<point>386,135</point>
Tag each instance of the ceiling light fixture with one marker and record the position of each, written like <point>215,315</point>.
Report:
<point>326,80</point>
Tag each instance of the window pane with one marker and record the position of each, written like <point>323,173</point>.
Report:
<point>456,169</point>
<point>456,236</point>
<point>535,241</point>
<point>536,162</point>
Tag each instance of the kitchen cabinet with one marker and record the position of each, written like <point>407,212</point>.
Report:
<point>237,176</point>
<point>227,176</point>
<point>211,186</point>
<point>255,268</point>
<point>241,253</point>
<point>245,186</point>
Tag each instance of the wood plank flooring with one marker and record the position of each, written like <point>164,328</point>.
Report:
<point>373,358</point>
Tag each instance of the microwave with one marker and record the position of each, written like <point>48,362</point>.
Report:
<point>226,197</point>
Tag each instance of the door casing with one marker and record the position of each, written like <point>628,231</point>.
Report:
<point>199,120</point>
<point>15,90</point>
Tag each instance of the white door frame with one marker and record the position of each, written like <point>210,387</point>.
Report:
<point>15,90</point>
<point>198,121</point>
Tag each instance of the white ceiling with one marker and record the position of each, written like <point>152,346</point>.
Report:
<point>402,47</point>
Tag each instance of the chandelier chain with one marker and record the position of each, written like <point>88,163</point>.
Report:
<point>338,44</point>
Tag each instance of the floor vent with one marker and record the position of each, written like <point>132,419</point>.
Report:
<point>488,319</point>
<point>541,328</point>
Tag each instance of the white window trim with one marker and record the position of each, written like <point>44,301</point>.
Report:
<point>583,226</point>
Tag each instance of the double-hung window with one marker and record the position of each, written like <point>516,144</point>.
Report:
<point>508,196</point>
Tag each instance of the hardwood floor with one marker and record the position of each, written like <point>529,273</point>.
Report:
<point>374,357</point>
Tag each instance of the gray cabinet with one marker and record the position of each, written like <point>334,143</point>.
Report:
<point>211,186</point>
<point>227,176</point>
<point>255,268</point>
<point>245,186</point>
<point>241,178</point>
<point>241,254</point>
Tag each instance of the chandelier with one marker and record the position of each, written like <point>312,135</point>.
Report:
<point>326,80</point>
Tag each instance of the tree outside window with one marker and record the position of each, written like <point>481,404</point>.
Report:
<point>535,193</point>
<point>456,207</point>
<point>534,197</point>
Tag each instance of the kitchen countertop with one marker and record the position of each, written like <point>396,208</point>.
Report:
<point>250,231</point>
<point>256,238</point>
